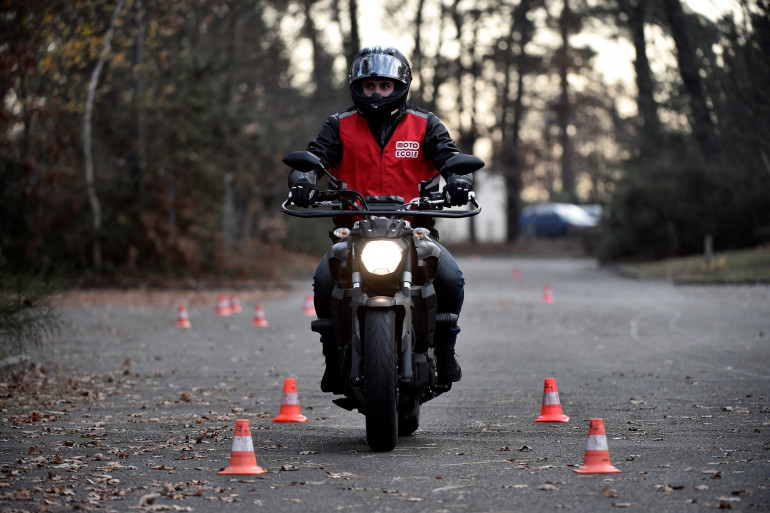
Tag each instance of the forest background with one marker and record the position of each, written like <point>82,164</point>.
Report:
<point>143,138</point>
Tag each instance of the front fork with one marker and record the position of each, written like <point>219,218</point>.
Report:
<point>348,309</point>
<point>402,303</point>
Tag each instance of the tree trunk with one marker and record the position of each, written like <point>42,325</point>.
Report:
<point>703,128</point>
<point>563,107</point>
<point>509,159</point>
<point>417,56</point>
<point>355,38</point>
<point>648,107</point>
<point>93,199</point>
<point>137,158</point>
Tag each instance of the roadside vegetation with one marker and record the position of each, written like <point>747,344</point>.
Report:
<point>744,266</point>
<point>26,313</point>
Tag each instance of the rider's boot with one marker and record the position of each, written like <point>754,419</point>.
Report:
<point>331,380</point>
<point>448,369</point>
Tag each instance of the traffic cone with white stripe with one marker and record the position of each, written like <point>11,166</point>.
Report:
<point>547,294</point>
<point>223,306</point>
<point>182,321</point>
<point>307,307</point>
<point>235,304</point>
<point>259,316</point>
<point>242,459</point>
<point>290,411</point>
<point>551,409</point>
<point>597,456</point>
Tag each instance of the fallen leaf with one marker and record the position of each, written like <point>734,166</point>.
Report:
<point>609,493</point>
<point>622,504</point>
<point>546,487</point>
<point>148,499</point>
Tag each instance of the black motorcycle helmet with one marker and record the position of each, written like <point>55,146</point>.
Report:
<point>379,62</point>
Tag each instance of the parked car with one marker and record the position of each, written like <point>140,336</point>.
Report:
<point>555,220</point>
<point>593,210</point>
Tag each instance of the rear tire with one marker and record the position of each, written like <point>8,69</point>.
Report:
<point>380,379</point>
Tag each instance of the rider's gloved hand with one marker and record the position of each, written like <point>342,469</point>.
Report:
<point>456,192</point>
<point>303,193</point>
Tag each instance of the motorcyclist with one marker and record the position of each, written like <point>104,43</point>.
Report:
<point>385,146</point>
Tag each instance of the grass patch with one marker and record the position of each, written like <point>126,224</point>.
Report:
<point>744,266</point>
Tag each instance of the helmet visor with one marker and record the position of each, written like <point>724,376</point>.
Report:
<point>380,65</point>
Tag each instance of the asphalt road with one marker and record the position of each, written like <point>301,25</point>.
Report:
<point>144,418</point>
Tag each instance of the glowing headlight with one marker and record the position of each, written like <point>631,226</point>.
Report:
<point>381,256</point>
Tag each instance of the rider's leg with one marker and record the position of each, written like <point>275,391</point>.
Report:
<point>449,285</point>
<point>322,288</point>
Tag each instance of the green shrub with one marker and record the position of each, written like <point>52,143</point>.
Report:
<point>26,315</point>
<point>665,206</point>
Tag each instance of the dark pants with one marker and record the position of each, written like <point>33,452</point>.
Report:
<point>449,284</point>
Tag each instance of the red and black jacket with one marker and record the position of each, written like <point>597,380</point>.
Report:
<point>387,158</point>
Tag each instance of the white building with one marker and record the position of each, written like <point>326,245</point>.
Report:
<point>490,223</point>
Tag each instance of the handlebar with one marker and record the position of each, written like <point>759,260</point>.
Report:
<point>351,203</point>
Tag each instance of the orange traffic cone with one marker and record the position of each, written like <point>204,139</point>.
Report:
<point>223,306</point>
<point>182,321</point>
<point>597,456</point>
<point>307,307</point>
<point>242,459</point>
<point>517,273</point>
<point>547,294</point>
<point>290,404</point>
<point>235,304</point>
<point>551,409</point>
<point>259,317</point>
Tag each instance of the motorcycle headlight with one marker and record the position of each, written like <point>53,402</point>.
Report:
<point>381,256</point>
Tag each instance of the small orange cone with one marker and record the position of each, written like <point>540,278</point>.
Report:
<point>517,273</point>
<point>307,307</point>
<point>235,304</point>
<point>242,459</point>
<point>290,404</point>
<point>182,321</point>
<point>223,306</point>
<point>547,294</point>
<point>259,317</point>
<point>551,409</point>
<point>597,456</point>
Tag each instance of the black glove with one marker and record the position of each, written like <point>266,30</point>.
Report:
<point>456,193</point>
<point>303,193</point>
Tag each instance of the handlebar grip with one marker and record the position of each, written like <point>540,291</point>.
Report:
<point>326,195</point>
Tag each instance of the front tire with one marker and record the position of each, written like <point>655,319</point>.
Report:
<point>380,378</point>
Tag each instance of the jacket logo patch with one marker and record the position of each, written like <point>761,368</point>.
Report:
<point>407,149</point>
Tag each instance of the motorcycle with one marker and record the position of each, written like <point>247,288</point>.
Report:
<point>383,303</point>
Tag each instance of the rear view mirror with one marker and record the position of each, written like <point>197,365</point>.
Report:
<point>303,161</point>
<point>462,164</point>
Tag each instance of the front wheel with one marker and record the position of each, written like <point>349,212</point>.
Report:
<point>380,378</point>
